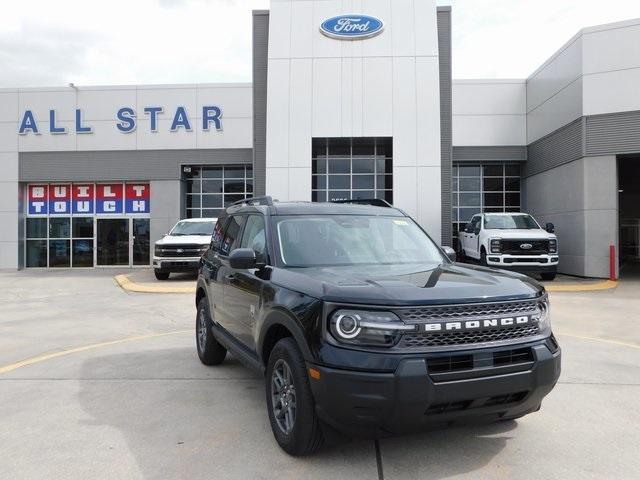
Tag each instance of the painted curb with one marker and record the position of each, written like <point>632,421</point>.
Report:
<point>130,286</point>
<point>583,287</point>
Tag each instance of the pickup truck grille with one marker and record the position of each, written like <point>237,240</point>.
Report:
<point>514,247</point>
<point>189,250</point>
<point>466,313</point>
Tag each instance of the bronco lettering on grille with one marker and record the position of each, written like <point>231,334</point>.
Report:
<point>478,324</point>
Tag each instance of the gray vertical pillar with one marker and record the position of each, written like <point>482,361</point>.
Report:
<point>444,49</point>
<point>260,63</point>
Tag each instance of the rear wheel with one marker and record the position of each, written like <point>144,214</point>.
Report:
<point>290,403</point>
<point>548,276</point>
<point>210,351</point>
<point>161,275</point>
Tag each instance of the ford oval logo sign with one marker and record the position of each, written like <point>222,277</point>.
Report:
<point>351,27</point>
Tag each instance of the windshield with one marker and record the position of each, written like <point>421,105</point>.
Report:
<point>324,240</point>
<point>507,222</point>
<point>204,227</point>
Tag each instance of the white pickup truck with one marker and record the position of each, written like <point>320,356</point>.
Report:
<point>511,241</point>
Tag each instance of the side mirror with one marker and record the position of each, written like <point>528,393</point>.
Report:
<point>242,259</point>
<point>549,227</point>
<point>450,252</point>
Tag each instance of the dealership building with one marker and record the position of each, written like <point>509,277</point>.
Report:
<point>349,99</point>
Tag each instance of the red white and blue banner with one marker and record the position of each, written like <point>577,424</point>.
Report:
<point>137,198</point>
<point>60,199</point>
<point>109,198</point>
<point>89,199</point>
<point>38,199</point>
<point>83,199</point>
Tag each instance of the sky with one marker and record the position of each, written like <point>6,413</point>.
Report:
<point>116,42</point>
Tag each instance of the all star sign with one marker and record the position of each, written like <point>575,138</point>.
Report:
<point>125,120</point>
<point>352,27</point>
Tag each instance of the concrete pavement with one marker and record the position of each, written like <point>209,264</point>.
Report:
<point>147,408</point>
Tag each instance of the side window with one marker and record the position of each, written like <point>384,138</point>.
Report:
<point>216,237</point>
<point>232,234</point>
<point>475,224</point>
<point>254,237</point>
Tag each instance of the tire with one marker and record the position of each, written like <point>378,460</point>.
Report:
<point>160,275</point>
<point>301,434</point>
<point>210,351</point>
<point>461,256</point>
<point>548,276</point>
<point>483,257</point>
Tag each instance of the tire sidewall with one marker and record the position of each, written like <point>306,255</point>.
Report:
<point>288,351</point>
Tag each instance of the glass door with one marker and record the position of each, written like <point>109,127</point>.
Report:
<point>112,241</point>
<point>141,241</point>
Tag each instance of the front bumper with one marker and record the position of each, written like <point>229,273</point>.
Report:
<point>524,263</point>
<point>412,398</point>
<point>176,264</point>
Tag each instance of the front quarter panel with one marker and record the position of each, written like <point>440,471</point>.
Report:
<point>297,312</point>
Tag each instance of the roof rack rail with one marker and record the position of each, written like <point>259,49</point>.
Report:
<point>266,200</point>
<point>376,202</point>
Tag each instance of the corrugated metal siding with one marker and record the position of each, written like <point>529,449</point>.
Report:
<point>121,165</point>
<point>490,154</point>
<point>613,133</point>
<point>260,65</point>
<point>444,49</point>
<point>562,146</point>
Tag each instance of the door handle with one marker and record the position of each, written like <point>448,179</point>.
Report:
<point>231,277</point>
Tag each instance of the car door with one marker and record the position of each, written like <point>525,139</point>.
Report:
<point>243,287</point>
<point>473,237</point>
<point>210,270</point>
<point>231,240</point>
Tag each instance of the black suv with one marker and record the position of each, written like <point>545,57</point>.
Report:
<point>361,324</point>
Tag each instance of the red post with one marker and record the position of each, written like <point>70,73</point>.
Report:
<point>612,262</point>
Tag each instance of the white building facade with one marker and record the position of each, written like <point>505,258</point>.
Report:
<point>349,99</point>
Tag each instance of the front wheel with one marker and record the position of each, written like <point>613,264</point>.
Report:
<point>290,403</point>
<point>160,275</point>
<point>548,276</point>
<point>483,258</point>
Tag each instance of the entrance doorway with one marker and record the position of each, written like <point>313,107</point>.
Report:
<point>122,242</point>
<point>629,213</point>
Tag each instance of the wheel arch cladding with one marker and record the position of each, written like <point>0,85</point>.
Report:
<point>279,325</point>
<point>200,294</point>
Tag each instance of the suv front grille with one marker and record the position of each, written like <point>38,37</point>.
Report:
<point>456,337</point>
<point>459,312</point>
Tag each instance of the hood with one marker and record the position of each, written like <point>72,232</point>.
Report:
<point>408,285</point>
<point>185,240</point>
<point>516,233</point>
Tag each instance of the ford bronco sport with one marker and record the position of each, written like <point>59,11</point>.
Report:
<point>361,324</point>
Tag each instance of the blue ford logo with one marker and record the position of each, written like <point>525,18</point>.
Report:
<point>351,27</point>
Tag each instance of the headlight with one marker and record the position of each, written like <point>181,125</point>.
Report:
<point>544,319</point>
<point>203,248</point>
<point>553,246</point>
<point>495,246</point>
<point>370,328</point>
<point>157,251</point>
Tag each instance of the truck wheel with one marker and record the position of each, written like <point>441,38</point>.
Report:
<point>290,403</point>
<point>483,257</point>
<point>160,275</point>
<point>548,276</point>
<point>210,351</point>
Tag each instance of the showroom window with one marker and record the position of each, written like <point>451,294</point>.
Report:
<point>481,188</point>
<point>210,189</point>
<point>352,168</point>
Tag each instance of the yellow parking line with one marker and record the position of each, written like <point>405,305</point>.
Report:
<point>131,286</point>
<point>582,287</point>
<point>49,356</point>
<point>597,339</point>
